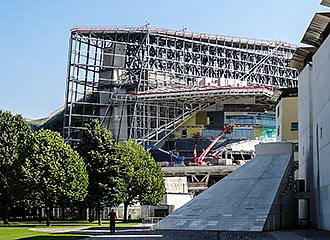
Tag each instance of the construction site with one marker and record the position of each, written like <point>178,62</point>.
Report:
<point>201,104</point>
<point>175,92</point>
<point>180,134</point>
<point>238,127</point>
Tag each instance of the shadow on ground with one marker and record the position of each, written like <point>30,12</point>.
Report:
<point>313,234</point>
<point>104,228</point>
<point>53,238</point>
<point>143,233</point>
<point>214,235</point>
<point>96,231</point>
<point>22,226</point>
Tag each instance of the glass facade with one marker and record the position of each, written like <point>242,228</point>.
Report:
<point>261,127</point>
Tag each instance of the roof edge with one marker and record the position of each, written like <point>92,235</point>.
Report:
<point>179,33</point>
<point>325,3</point>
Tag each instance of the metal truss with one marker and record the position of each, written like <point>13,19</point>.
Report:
<point>142,83</point>
<point>195,94</point>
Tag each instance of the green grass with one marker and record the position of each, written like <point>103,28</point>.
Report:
<point>20,230</point>
<point>22,233</point>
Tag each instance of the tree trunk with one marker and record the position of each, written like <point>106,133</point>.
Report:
<point>63,213</point>
<point>4,215</point>
<point>49,216</point>
<point>99,216</point>
<point>90,214</point>
<point>40,215</point>
<point>81,212</point>
<point>125,211</point>
<point>5,219</point>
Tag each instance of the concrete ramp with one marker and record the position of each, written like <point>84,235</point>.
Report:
<point>248,199</point>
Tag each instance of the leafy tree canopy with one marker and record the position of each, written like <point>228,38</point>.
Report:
<point>101,157</point>
<point>142,176</point>
<point>56,172</point>
<point>16,146</point>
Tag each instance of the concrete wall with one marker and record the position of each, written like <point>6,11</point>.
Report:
<point>177,200</point>
<point>306,127</point>
<point>314,112</point>
<point>176,184</point>
<point>321,132</point>
<point>109,79</point>
<point>176,192</point>
<point>286,114</point>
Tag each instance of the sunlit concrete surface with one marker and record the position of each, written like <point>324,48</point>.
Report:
<point>246,200</point>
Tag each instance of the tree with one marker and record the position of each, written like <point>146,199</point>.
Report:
<point>16,146</point>
<point>56,172</point>
<point>142,176</point>
<point>101,157</point>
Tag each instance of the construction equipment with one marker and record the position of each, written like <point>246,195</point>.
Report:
<point>200,159</point>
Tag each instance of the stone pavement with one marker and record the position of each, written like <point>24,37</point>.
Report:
<point>145,233</point>
<point>182,235</point>
<point>303,234</point>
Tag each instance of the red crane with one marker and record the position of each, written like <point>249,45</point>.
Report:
<point>200,160</point>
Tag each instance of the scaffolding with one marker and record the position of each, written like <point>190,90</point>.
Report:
<point>142,83</point>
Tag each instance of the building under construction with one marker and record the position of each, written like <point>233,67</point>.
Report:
<point>144,83</point>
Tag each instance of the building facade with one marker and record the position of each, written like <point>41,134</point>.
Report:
<point>314,126</point>
<point>287,116</point>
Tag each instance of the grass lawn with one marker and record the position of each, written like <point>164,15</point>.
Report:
<point>20,230</point>
<point>22,233</point>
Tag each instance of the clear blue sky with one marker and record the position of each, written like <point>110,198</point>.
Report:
<point>35,33</point>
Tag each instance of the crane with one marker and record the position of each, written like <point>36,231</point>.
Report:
<point>200,160</point>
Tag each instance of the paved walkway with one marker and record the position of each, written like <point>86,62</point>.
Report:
<point>59,229</point>
<point>304,234</point>
<point>144,233</point>
<point>183,235</point>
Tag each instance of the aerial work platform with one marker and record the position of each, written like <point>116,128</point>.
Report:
<point>256,197</point>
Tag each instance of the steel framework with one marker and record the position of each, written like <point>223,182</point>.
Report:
<point>142,83</point>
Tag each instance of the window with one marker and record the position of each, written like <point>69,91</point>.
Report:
<point>294,126</point>
<point>184,133</point>
<point>296,147</point>
<point>293,94</point>
<point>303,150</point>
<point>211,120</point>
